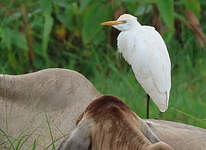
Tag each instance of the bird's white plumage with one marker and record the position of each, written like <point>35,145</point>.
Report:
<point>144,49</point>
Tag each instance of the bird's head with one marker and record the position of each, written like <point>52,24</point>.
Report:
<point>123,23</point>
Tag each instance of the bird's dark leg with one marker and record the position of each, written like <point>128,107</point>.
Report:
<point>148,99</point>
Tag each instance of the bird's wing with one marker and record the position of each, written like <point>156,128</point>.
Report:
<point>145,50</point>
<point>151,64</point>
<point>159,65</point>
<point>151,59</point>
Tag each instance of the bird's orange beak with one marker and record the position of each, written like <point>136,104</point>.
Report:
<point>110,23</point>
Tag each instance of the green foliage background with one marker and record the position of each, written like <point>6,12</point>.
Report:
<point>41,34</point>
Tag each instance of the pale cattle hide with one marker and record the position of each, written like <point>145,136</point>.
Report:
<point>26,101</point>
<point>180,136</point>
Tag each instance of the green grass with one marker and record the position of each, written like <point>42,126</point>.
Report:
<point>18,142</point>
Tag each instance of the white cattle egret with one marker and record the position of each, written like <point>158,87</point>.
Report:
<point>144,49</point>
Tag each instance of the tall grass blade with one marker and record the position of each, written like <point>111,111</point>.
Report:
<point>8,139</point>
<point>34,145</point>
<point>50,131</point>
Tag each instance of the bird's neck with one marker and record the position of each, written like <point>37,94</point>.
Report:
<point>135,25</point>
<point>138,24</point>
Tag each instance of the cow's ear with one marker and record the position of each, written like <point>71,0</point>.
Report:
<point>148,133</point>
<point>159,146</point>
<point>80,139</point>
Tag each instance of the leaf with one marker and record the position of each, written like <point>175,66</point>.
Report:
<point>12,59</point>
<point>131,1</point>
<point>131,7</point>
<point>140,10</point>
<point>62,3</point>
<point>47,29</point>
<point>95,14</point>
<point>6,36</point>
<point>12,37</point>
<point>194,6</point>
<point>99,38</point>
<point>37,22</point>
<point>166,9</point>
<point>46,6</point>
<point>84,4</point>
<point>39,62</point>
<point>68,18</point>
<point>19,40</point>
